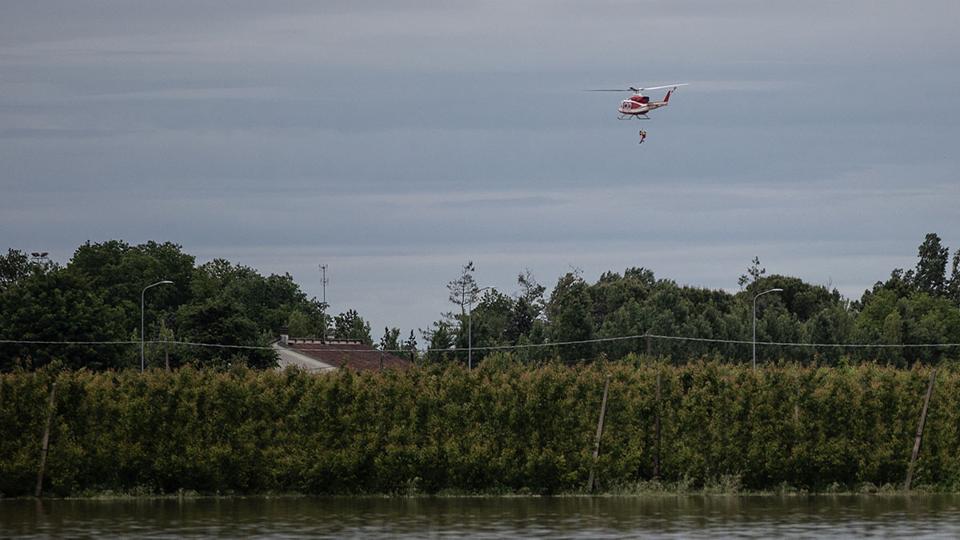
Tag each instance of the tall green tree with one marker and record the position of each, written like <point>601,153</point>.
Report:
<point>390,340</point>
<point>350,325</point>
<point>892,334</point>
<point>121,271</point>
<point>868,327</point>
<point>463,291</point>
<point>268,301</point>
<point>301,324</point>
<point>833,324</point>
<point>569,315</point>
<point>929,320</point>
<point>527,309</point>
<point>490,323</point>
<point>410,345</point>
<point>754,273</point>
<point>220,321</point>
<point>14,267</point>
<point>931,271</point>
<point>953,287</point>
<point>900,283</point>
<point>439,338</point>
<point>57,306</point>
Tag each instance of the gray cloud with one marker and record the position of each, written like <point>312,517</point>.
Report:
<point>395,141</point>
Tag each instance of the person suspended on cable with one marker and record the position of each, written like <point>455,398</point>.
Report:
<point>643,136</point>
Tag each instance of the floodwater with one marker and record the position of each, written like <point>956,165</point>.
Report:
<point>659,516</point>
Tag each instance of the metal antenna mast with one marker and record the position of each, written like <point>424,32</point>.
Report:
<point>324,281</point>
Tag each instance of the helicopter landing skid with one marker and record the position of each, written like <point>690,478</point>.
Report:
<point>632,116</point>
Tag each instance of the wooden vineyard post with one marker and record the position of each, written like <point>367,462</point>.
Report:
<point>46,442</point>
<point>656,429</point>
<point>596,446</point>
<point>923,419</point>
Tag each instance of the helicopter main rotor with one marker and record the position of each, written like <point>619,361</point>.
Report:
<point>636,90</point>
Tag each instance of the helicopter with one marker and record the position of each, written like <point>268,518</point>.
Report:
<point>638,105</point>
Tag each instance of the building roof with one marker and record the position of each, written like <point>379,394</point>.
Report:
<point>347,353</point>
<point>287,357</point>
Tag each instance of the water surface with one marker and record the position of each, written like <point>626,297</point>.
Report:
<point>662,516</point>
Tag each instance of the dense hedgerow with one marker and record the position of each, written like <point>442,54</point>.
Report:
<point>500,428</point>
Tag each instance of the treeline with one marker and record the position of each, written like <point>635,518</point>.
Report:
<point>505,427</point>
<point>912,307</point>
<point>96,297</point>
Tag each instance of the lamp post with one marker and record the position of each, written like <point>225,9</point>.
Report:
<point>755,322</point>
<point>164,282</point>
<point>470,326</point>
<point>40,260</point>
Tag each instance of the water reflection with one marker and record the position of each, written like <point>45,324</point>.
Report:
<point>565,517</point>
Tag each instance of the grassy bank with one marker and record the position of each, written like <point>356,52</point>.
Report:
<point>503,428</point>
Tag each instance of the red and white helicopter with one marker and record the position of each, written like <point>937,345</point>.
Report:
<point>638,105</point>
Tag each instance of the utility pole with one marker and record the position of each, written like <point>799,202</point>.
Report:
<point>473,296</point>
<point>755,322</point>
<point>143,292</point>
<point>324,281</point>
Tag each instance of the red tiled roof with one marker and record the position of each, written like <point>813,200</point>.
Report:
<point>349,354</point>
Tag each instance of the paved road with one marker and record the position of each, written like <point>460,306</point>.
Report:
<point>289,357</point>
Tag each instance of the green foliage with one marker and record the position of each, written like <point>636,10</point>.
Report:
<point>441,337</point>
<point>57,306</point>
<point>953,286</point>
<point>932,257</point>
<point>299,324</point>
<point>463,291</point>
<point>504,427</point>
<point>410,345</point>
<point>486,325</point>
<point>97,297</point>
<point>569,315</point>
<point>267,301</point>
<point>927,307</point>
<point>526,310</point>
<point>754,273</point>
<point>222,322</point>
<point>350,325</point>
<point>390,341</point>
<point>14,266</point>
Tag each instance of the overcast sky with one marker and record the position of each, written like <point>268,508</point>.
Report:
<point>394,141</point>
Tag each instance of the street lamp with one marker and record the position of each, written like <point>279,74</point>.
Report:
<point>164,282</point>
<point>470,326</point>
<point>40,260</point>
<point>755,322</point>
